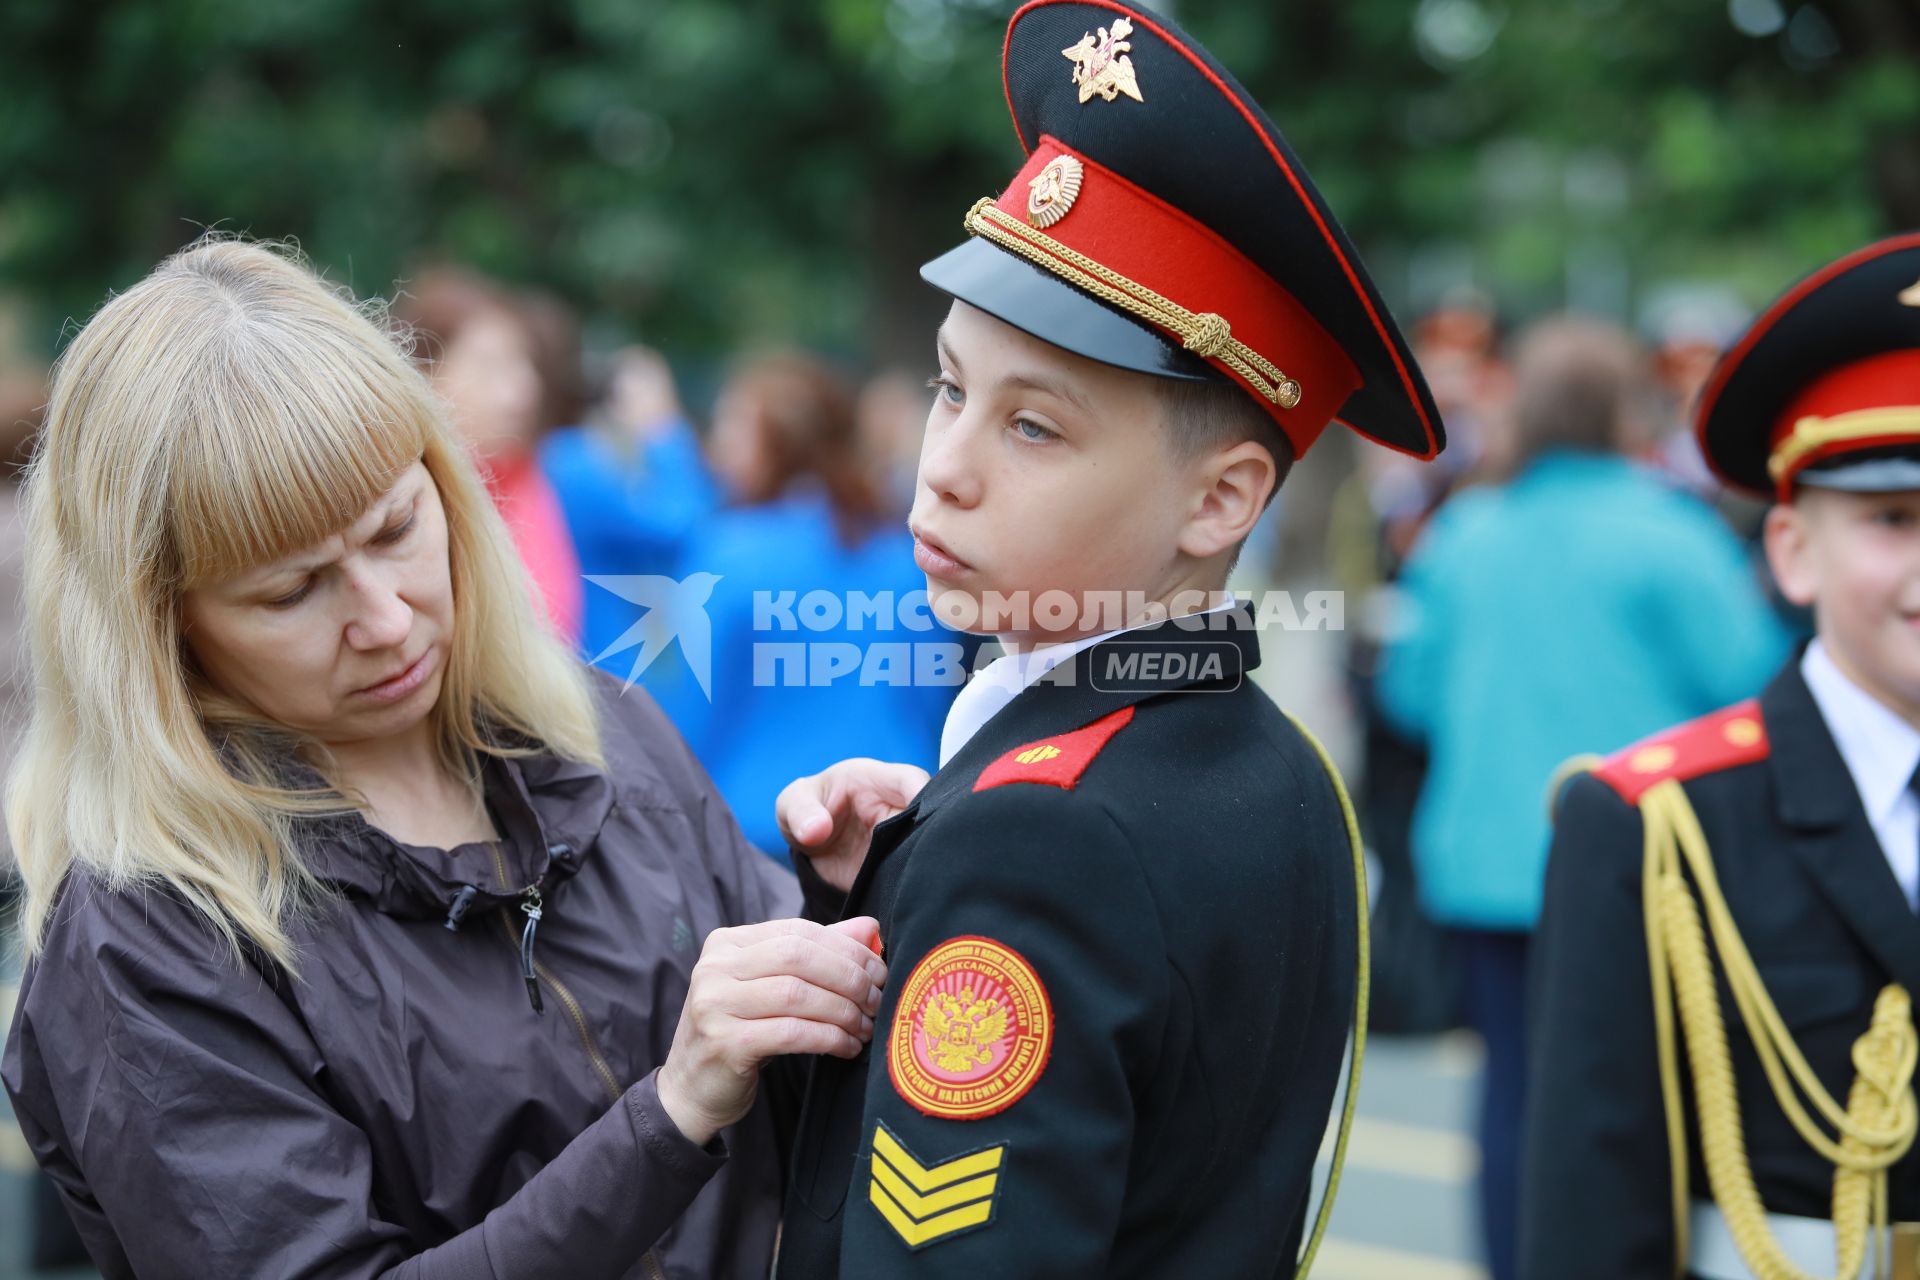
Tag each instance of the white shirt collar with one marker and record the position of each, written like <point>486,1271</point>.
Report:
<point>1006,677</point>
<point>1881,751</point>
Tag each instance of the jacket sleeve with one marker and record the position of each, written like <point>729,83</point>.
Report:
<point>181,1107</point>
<point>751,886</point>
<point>1596,1194</point>
<point>1048,876</point>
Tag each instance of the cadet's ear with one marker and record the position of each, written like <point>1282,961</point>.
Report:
<point>1789,538</point>
<point>1234,484</point>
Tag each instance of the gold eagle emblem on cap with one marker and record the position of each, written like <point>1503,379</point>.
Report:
<point>1101,64</point>
<point>1052,191</point>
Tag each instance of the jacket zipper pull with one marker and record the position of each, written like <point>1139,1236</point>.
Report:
<point>461,902</point>
<point>531,905</point>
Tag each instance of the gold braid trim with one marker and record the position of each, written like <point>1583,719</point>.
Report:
<point>1569,770</point>
<point>1878,1125</point>
<point>1812,433</point>
<point>1205,333</point>
<point>1362,986</point>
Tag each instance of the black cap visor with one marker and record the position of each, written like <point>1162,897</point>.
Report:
<point>1035,301</point>
<point>1896,471</point>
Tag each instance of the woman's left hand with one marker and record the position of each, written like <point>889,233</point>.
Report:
<point>830,816</point>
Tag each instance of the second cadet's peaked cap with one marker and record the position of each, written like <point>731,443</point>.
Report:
<point>1162,224</point>
<point>1823,390</point>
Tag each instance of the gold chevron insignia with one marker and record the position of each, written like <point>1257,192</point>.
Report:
<point>928,1203</point>
<point>1034,755</point>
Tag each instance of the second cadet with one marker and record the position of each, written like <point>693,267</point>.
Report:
<point>1723,1043</point>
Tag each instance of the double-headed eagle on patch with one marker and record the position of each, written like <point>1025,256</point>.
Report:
<point>962,1029</point>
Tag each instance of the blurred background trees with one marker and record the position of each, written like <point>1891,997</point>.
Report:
<point>706,173</point>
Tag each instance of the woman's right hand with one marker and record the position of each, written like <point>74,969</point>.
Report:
<point>760,991</point>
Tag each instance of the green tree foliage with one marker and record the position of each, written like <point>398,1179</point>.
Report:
<point>708,173</point>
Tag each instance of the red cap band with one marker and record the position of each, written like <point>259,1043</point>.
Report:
<point>1863,405</point>
<point>1153,246</point>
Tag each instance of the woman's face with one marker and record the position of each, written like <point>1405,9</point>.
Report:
<point>491,385</point>
<point>346,640</point>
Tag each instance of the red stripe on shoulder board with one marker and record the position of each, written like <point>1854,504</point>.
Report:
<point>1057,761</point>
<point>1732,736</point>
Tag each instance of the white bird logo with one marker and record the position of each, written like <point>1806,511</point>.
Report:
<point>674,610</point>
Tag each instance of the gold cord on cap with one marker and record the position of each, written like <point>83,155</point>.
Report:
<point>1811,433</point>
<point>1204,333</point>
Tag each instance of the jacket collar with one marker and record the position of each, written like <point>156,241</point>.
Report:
<point>548,811</point>
<point>1099,681</point>
<point>1076,693</point>
<point>1814,796</point>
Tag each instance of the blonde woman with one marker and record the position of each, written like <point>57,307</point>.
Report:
<point>364,924</point>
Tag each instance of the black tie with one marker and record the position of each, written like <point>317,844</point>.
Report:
<point>1913,785</point>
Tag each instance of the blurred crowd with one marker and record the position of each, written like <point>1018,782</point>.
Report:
<point>1565,579</point>
<point>631,511</point>
<point>1568,579</point>
<point>649,540</point>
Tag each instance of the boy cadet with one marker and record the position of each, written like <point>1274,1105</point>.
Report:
<point>1122,915</point>
<point>1778,1060</point>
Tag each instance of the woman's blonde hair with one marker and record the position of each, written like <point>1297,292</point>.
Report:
<point>226,411</point>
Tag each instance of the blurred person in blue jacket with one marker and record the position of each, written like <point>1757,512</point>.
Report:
<point>808,527</point>
<point>635,487</point>
<point>1576,608</point>
<point>892,413</point>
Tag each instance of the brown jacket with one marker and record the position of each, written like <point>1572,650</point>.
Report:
<point>400,1109</point>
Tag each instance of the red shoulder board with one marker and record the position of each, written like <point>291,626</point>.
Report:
<point>1732,736</point>
<point>1057,761</point>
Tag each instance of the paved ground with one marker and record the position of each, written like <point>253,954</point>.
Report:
<point>1405,1204</point>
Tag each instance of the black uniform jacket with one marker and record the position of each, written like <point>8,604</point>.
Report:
<point>1828,926</point>
<point>1177,882</point>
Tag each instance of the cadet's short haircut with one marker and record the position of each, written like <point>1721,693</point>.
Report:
<point>1216,415</point>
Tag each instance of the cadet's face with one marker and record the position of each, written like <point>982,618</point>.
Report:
<point>1855,558</point>
<point>346,640</point>
<point>1043,471</point>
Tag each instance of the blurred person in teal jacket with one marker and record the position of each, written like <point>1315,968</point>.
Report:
<point>1576,608</point>
<point>810,525</point>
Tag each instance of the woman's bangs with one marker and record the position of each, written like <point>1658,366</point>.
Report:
<point>287,454</point>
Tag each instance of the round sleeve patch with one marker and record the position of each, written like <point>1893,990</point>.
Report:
<point>971,1032</point>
